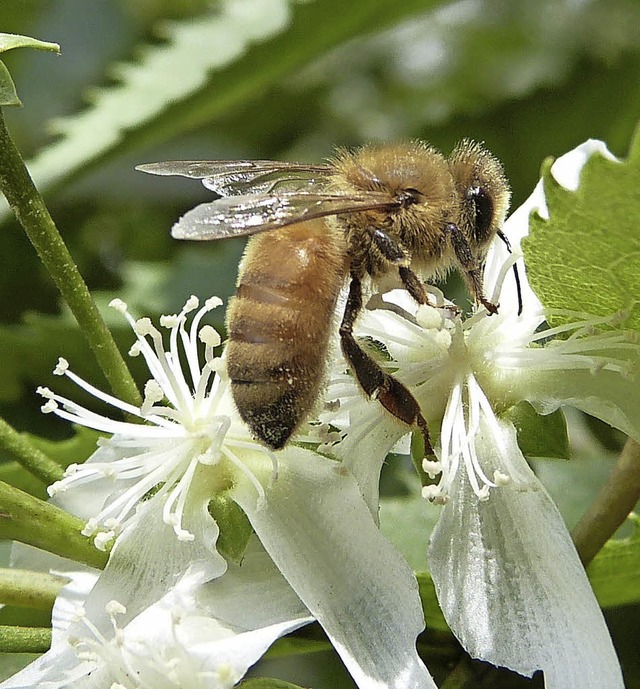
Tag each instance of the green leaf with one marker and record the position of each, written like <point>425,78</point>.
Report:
<point>433,616</point>
<point>8,93</point>
<point>204,67</point>
<point>540,436</point>
<point>8,41</point>
<point>235,528</point>
<point>615,571</point>
<point>295,645</point>
<point>586,256</point>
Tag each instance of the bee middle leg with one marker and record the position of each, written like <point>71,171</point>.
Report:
<point>394,253</point>
<point>375,382</point>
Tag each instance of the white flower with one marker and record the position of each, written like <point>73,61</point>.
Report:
<point>194,637</point>
<point>508,578</point>
<point>148,489</point>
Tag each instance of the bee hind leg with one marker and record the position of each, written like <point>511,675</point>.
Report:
<point>376,383</point>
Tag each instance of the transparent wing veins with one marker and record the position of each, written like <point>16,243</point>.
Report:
<point>239,216</point>
<point>241,177</point>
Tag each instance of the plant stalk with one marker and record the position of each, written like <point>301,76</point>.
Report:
<point>33,215</point>
<point>24,639</point>
<point>43,525</point>
<point>611,507</point>
<point>28,455</point>
<point>27,589</point>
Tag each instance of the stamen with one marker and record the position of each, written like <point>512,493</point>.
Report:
<point>61,367</point>
<point>509,262</point>
<point>191,425</point>
<point>152,393</point>
<point>118,305</point>
<point>178,496</point>
<point>49,407</point>
<point>431,468</point>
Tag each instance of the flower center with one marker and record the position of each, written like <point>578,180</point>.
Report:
<point>141,660</point>
<point>190,426</point>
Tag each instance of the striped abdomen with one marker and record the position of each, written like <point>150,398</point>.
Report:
<point>279,325</point>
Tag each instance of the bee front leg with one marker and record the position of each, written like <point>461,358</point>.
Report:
<point>377,384</point>
<point>470,268</point>
<point>414,285</point>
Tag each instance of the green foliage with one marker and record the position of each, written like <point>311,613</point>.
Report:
<point>297,645</point>
<point>615,571</point>
<point>531,79</point>
<point>407,520</point>
<point>235,528</point>
<point>432,614</point>
<point>8,94</point>
<point>586,256</point>
<point>203,67</point>
<point>540,436</point>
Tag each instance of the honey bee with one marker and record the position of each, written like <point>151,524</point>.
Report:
<point>399,210</point>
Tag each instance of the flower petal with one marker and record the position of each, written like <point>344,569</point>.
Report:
<point>252,594</point>
<point>148,559</point>
<point>208,646</point>
<point>365,447</point>
<point>607,395</point>
<point>509,580</point>
<point>515,228</point>
<point>321,535</point>
<point>59,666</point>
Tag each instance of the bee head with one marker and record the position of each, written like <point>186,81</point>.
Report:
<point>483,191</point>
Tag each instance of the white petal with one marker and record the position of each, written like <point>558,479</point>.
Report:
<point>86,500</point>
<point>148,560</point>
<point>60,665</point>
<point>515,228</point>
<point>372,435</point>
<point>252,594</point>
<point>321,535</point>
<point>568,168</point>
<point>510,582</point>
<point>604,394</point>
<point>230,644</point>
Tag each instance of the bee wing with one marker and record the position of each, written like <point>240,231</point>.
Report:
<point>239,216</point>
<point>240,177</point>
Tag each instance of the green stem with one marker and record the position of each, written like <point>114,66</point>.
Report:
<point>26,589</point>
<point>28,455</point>
<point>29,520</point>
<point>32,213</point>
<point>616,499</point>
<point>24,639</point>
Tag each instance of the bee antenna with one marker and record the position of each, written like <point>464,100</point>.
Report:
<point>516,275</point>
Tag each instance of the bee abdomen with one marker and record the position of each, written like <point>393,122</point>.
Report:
<point>279,326</point>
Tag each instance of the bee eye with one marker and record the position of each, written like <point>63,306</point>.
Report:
<point>410,195</point>
<point>482,206</point>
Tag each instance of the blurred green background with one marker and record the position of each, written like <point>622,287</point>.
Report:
<point>147,80</point>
